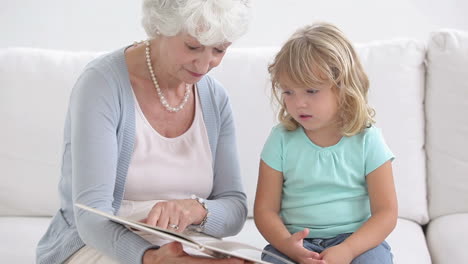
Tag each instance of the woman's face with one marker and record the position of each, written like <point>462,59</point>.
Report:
<point>186,60</point>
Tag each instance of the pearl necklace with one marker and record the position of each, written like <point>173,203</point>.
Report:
<point>162,98</point>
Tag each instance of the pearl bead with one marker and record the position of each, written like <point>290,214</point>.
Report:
<point>160,94</point>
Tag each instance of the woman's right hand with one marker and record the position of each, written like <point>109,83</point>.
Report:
<point>173,253</point>
<point>179,213</point>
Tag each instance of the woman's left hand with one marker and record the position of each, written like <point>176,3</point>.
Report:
<point>175,214</point>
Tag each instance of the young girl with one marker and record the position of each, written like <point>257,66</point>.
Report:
<point>325,190</point>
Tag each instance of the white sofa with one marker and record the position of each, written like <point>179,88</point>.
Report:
<point>418,89</point>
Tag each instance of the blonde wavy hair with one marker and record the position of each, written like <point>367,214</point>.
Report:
<point>319,54</point>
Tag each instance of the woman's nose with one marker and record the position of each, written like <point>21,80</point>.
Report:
<point>205,62</point>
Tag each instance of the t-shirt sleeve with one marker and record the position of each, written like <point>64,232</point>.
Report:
<point>272,153</point>
<point>376,150</point>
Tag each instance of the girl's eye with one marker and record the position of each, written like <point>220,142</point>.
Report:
<point>312,91</point>
<point>219,50</point>
<point>287,92</point>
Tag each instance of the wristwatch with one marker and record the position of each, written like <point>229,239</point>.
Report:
<point>200,200</point>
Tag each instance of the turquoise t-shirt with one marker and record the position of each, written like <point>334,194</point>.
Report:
<point>324,189</point>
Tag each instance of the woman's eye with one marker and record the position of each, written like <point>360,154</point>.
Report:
<point>191,47</point>
<point>219,50</point>
<point>312,91</point>
<point>287,92</point>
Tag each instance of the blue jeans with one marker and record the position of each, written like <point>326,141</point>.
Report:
<point>378,255</point>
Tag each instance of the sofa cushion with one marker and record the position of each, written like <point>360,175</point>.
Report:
<point>243,73</point>
<point>408,243</point>
<point>447,126</point>
<point>35,86</point>
<point>446,237</point>
<point>19,237</point>
<point>396,72</point>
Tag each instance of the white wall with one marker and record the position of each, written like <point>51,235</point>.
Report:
<point>108,24</point>
<point>361,20</point>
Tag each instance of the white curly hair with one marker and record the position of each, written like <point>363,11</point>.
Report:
<point>211,22</point>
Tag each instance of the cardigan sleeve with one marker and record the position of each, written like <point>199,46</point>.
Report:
<point>94,115</point>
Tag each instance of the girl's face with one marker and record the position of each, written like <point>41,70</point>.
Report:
<point>314,108</point>
<point>185,59</point>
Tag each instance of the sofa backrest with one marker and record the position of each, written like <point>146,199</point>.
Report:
<point>396,72</point>
<point>34,89</point>
<point>35,85</point>
<point>446,123</point>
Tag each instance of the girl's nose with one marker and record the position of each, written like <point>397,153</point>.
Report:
<point>300,102</point>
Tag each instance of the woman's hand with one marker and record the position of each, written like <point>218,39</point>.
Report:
<point>176,214</point>
<point>339,254</point>
<point>173,253</point>
<point>294,248</point>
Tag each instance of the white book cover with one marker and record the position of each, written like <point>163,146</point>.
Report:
<point>213,247</point>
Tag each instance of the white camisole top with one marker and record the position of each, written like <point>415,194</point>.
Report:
<point>164,168</point>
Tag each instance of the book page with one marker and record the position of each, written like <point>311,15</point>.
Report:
<point>240,250</point>
<point>202,243</point>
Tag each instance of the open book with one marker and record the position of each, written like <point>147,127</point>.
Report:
<point>214,247</point>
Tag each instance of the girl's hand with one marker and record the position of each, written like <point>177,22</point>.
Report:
<point>173,253</point>
<point>294,248</point>
<point>175,214</point>
<point>340,254</point>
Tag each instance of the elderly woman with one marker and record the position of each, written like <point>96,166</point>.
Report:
<point>150,136</point>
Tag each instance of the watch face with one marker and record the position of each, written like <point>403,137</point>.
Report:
<point>202,202</point>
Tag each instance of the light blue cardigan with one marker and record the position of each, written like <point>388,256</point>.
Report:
<point>98,144</point>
